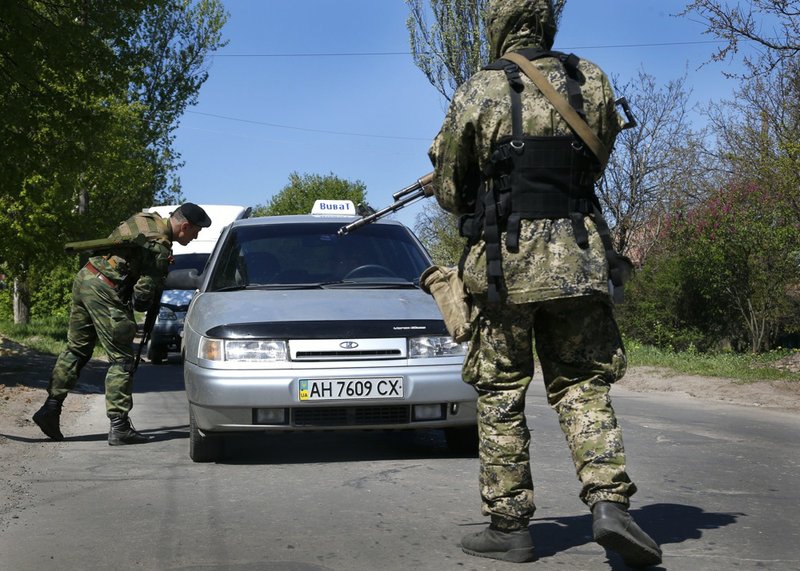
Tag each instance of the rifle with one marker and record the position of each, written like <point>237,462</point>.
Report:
<point>105,244</point>
<point>147,328</point>
<point>420,189</point>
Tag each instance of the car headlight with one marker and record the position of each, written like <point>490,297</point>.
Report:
<point>435,346</point>
<point>166,314</point>
<point>242,350</point>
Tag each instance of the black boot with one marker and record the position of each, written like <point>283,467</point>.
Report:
<point>123,432</point>
<point>48,417</point>
<point>614,529</point>
<point>515,546</point>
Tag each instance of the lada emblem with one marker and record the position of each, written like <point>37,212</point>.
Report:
<point>348,344</point>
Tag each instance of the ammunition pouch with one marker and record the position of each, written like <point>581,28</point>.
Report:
<point>447,289</point>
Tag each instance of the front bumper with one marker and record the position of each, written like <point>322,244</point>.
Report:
<point>226,400</point>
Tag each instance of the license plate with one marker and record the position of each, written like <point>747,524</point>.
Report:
<point>341,389</point>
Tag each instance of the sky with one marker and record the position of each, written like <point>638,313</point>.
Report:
<point>330,87</point>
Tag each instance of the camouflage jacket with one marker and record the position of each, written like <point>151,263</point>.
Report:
<point>139,270</point>
<point>549,263</point>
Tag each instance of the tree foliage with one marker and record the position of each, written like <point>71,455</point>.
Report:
<point>438,232</point>
<point>92,94</point>
<point>657,166</point>
<point>730,266</point>
<point>299,195</point>
<point>773,25</point>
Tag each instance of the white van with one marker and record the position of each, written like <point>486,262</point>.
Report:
<point>166,334</point>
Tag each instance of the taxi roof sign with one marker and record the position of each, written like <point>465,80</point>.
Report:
<point>334,208</point>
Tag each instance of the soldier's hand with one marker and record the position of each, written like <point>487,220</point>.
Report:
<point>141,304</point>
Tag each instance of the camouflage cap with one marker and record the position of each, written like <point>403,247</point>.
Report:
<point>516,24</point>
<point>194,214</point>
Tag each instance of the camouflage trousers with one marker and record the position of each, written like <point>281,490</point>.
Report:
<point>97,313</point>
<point>581,354</point>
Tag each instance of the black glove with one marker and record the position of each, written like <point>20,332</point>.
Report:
<point>140,304</point>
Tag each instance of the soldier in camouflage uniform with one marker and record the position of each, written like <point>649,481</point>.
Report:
<point>105,293</point>
<point>554,293</point>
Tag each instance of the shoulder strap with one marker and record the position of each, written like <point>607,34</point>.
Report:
<point>567,112</point>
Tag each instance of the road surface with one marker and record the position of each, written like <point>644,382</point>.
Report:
<point>718,489</point>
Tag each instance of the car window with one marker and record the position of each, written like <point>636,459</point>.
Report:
<point>189,262</point>
<point>313,253</point>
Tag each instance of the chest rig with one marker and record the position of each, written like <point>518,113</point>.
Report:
<point>532,177</point>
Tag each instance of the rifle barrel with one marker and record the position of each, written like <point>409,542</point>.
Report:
<point>402,198</point>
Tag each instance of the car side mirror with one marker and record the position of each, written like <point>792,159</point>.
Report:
<point>183,279</point>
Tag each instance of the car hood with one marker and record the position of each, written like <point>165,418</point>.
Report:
<point>214,310</point>
<point>177,297</point>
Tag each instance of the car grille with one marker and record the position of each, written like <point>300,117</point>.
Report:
<point>351,416</point>
<point>348,354</point>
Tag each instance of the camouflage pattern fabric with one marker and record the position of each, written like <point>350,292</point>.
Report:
<point>581,354</point>
<point>97,314</point>
<point>516,24</point>
<point>479,114</point>
<point>141,269</point>
<point>557,293</point>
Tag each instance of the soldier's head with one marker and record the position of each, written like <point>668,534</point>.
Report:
<point>516,24</point>
<point>187,221</point>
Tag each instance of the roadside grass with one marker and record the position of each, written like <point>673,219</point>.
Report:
<point>744,367</point>
<point>46,335</point>
<point>49,335</point>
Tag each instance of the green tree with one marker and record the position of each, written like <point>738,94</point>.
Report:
<point>438,232</point>
<point>742,252</point>
<point>93,92</point>
<point>724,274</point>
<point>299,195</point>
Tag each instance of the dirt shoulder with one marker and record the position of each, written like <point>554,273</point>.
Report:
<point>23,383</point>
<point>769,394</point>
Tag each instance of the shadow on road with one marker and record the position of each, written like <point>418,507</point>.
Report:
<point>665,523</point>
<point>336,446</point>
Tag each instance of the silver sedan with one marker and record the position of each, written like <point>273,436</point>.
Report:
<point>296,327</point>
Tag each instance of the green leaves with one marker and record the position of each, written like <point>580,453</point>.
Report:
<point>92,93</point>
<point>299,195</point>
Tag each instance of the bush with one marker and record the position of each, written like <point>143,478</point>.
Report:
<point>51,293</point>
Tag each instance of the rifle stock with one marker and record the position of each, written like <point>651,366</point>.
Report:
<point>420,189</point>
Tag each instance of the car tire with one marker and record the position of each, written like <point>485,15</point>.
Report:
<point>203,447</point>
<point>462,439</point>
<point>155,355</point>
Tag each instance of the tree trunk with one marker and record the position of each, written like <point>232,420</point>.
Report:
<point>22,301</point>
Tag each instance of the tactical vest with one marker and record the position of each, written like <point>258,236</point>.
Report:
<point>532,177</point>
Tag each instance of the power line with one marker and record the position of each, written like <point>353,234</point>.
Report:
<point>305,129</point>
<point>372,54</point>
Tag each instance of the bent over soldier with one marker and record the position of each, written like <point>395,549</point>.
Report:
<point>537,268</point>
<point>105,292</point>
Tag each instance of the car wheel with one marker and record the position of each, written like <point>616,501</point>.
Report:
<point>155,355</point>
<point>462,439</point>
<point>203,447</point>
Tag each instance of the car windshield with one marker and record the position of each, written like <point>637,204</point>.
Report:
<point>314,255</point>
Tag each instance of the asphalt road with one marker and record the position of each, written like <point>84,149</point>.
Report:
<point>718,489</point>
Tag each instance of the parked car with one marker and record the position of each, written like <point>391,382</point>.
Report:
<point>298,328</point>
<point>166,334</point>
